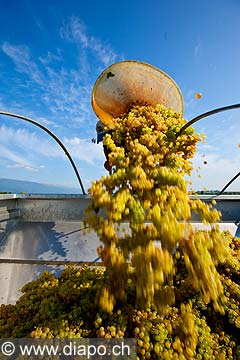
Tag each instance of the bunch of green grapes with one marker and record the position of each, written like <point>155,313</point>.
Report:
<point>147,189</point>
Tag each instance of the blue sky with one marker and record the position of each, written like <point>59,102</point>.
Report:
<point>51,53</point>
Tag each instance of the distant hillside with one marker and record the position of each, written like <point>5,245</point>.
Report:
<point>216,192</point>
<point>19,186</point>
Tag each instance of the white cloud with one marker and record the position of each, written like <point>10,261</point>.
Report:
<point>23,166</point>
<point>84,150</point>
<point>20,55</point>
<point>74,30</point>
<point>62,90</point>
<point>24,140</point>
<point>51,57</point>
<point>16,161</point>
<point>44,121</point>
<point>65,93</point>
<point>216,172</point>
<point>19,109</point>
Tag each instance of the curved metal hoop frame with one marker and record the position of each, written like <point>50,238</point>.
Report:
<point>199,117</point>
<point>208,113</point>
<point>54,137</point>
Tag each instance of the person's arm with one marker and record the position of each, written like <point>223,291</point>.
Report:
<point>100,135</point>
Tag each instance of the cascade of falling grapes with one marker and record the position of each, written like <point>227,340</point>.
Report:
<point>147,189</point>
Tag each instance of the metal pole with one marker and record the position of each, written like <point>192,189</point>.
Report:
<point>208,113</point>
<point>199,117</point>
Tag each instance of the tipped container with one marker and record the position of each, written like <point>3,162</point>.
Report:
<point>132,82</point>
